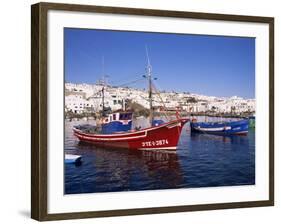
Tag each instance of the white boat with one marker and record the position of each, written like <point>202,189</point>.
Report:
<point>70,158</point>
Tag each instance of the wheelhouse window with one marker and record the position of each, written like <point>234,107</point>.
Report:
<point>126,116</point>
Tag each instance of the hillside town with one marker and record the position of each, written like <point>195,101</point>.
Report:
<point>87,99</point>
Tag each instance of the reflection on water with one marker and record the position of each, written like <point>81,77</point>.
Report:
<point>200,161</point>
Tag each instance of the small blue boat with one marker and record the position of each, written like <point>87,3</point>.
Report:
<point>240,127</point>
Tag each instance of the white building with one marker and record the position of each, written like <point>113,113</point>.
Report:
<point>80,98</point>
<point>75,102</point>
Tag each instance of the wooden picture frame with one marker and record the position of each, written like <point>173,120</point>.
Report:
<point>39,108</point>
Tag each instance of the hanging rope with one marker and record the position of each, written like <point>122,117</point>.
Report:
<point>131,82</point>
<point>158,94</point>
<point>125,84</point>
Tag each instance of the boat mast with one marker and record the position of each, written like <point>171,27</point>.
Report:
<point>102,91</point>
<point>103,85</point>
<point>149,74</point>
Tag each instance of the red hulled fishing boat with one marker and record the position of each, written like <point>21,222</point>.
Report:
<point>117,131</point>
<point>164,136</point>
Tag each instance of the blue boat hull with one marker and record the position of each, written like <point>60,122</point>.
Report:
<point>221,128</point>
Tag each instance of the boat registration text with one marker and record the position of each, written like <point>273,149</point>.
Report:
<point>155,143</point>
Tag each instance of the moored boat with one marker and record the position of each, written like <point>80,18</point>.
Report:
<point>70,158</point>
<point>163,136</point>
<point>115,130</point>
<point>221,128</point>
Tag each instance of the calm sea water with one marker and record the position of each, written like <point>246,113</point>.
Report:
<point>200,161</point>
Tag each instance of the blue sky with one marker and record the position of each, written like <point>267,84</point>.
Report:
<point>209,65</point>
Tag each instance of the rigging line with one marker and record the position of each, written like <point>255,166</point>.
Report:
<point>117,82</point>
<point>100,91</point>
<point>136,85</point>
<point>158,94</point>
<point>131,82</point>
<point>147,56</point>
<point>145,98</point>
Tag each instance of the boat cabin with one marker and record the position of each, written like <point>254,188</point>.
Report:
<point>117,122</point>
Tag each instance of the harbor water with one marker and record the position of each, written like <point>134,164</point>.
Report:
<point>201,160</point>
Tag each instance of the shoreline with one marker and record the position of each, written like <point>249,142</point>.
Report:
<point>160,114</point>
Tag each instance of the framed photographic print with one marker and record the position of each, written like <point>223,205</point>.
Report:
<point>139,111</point>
